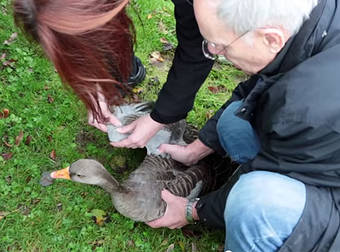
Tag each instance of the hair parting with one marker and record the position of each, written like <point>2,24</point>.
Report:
<point>90,43</point>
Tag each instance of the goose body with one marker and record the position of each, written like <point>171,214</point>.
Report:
<point>139,196</point>
<point>170,134</point>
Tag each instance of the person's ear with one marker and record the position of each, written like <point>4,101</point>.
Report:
<point>273,38</point>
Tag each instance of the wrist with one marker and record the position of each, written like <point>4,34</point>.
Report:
<point>190,211</point>
<point>199,150</point>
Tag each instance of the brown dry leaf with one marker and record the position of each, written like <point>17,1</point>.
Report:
<point>9,63</point>
<point>213,89</point>
<point>53,155</point>
<point>171,248</point>
<point>131,243</point>
<point>150,16</point>
<point>50,99</point>
<point>3,215</point>
<point>11,38</point>
<point>157,55</point>
<point>7,156</point>
<point>3,56</point>
<point>162,28</point>
<point>5,113</point>
<point>164,40</point>
<point>28,140</point>
<point>19,138</point>
<point>50,138</point>
<point>8,145</point>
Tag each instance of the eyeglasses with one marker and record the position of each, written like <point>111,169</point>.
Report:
<point>218,48</point>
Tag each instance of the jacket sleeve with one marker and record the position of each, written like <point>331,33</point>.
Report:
<point>208,134</point>
<point>188,71</point>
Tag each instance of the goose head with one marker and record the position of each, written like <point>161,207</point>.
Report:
<point>87,171</point>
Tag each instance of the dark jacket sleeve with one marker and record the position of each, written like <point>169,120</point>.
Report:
<point>189,69</point>
<point>208,134</point>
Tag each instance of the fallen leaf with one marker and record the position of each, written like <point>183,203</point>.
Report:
<point>6,113</point>
<point>50,99</point>
<point>213,89</point>
<point>97,243</point>
<point>99,216</point>
<point>130,243</point>
<point>53,155</point>
<point>150,16</point>
<point>3,215</point>
<point>28,140</point>
<point>59,207</point>
<point>137,90</point>
<point>50,138</point>
<point>162,28</point>
<point>164,40</point>
<point>19,138</point>
<point>8,145</point>
<point>35,201</point>
<point>28,179</point>
<point>156,58</point>
<point>11,38</point>
<point>7,156</point>
<point>3,56</point>
<point>171,248</point>
<point>9,63</point>
<point>157,55</point>
<point>154,81</point>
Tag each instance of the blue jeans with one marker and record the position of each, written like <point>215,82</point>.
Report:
<point>263,207</point>
<point>237,137</point>
<point>262,210</point>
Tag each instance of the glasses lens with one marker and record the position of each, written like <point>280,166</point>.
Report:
<point>206,52</point>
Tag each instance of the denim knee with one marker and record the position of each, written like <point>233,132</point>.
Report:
<point>237,137</point>
<point>261,211</point>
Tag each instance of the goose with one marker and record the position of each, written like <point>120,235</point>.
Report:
<point>127,113</point>
<point>139,196</point>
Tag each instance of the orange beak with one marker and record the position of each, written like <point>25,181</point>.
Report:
<point>61,174</point>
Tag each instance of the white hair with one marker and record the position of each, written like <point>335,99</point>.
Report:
<point>247,15</point>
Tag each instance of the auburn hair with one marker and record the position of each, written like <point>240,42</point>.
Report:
<point>90,43</point>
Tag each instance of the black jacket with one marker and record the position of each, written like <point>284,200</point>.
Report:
<point>294,106</point>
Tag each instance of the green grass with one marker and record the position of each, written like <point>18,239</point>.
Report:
<point>58,218</point>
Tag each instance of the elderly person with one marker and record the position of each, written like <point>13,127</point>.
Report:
<point>282,125</point>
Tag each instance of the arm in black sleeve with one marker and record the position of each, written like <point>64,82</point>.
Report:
<point>189,69</point>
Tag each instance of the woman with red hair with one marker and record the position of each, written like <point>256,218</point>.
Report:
<point>90,43</point>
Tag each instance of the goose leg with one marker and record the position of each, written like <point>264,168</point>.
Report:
<point>195,191</point>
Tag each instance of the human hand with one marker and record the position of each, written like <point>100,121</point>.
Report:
<point>142,130</point>
<point>174,216</point>
<point>103,106</point>
<point>189,154</point>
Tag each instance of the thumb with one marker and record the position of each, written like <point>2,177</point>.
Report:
<point>168,148</point>
<point>166,195</point>
<point>127,128</point>
<point>114,121</point>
